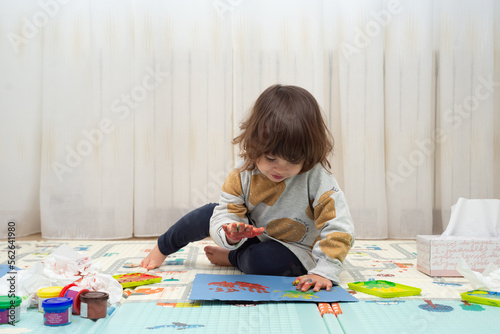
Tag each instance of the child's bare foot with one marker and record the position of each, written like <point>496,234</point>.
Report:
<point>154,259</point>
<point>217,255</point>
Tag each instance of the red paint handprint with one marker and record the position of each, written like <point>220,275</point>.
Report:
<point>238,286</point>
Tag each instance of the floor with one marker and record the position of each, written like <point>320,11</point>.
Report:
<point>165,307</point>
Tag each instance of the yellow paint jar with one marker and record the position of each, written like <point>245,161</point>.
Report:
<point>45,293</point>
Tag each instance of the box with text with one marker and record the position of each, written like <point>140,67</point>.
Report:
<point>437,256</point>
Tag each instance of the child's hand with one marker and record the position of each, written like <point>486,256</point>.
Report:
<point>303,283</point>
<point>237,231</point>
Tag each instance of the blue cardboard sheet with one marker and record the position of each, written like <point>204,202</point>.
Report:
<point>260,288</point>
<point>5,268</point>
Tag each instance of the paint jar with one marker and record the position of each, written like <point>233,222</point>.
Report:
<point>74,292</point>
<point>57,311</point>
<point>48,292</point>
<point>94,304</point>
<point>10,310</point>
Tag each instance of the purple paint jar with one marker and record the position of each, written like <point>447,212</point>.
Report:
<point>57,311</point>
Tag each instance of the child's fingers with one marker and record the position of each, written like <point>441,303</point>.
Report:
<point>231,228</point>
<point>253,232</point>
<point>318,286</point>
<point>307,285</point>
<point>304,284</point>
<point>241,227</point>
<point>297,281</point>
<point>237,227</point>
<point>226,229</point>
<point>257,231</point>
<point>235,231</point>
<point>147,265</point>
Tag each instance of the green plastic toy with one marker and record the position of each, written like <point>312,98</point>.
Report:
<point>482,297</point>
<point>136,279</point>
<point>384,289</point>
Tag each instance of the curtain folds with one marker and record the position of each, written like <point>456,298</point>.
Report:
<point>116,117</point>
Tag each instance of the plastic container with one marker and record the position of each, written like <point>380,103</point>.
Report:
<point>94,304</point>
<point>384,289</point>
<point>57,311</point>
<point>10,310</point>
<point>49,292</point>
<point>135,279</point>
<point>74,292</point>
<point>482,297</point>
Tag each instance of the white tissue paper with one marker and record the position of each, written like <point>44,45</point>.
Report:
<point>474,218</point>
<point>64,266</point>
<point>488,280</point>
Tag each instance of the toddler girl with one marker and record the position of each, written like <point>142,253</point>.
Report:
<point>281,211</point>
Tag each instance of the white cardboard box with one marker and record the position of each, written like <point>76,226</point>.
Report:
<point>438,256</point>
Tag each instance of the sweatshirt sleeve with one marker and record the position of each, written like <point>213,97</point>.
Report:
<point>336,230</point>
<point>231,209</point>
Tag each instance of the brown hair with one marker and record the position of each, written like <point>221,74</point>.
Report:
<point>285,122</point>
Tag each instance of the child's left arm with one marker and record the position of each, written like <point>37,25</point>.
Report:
<point>334,224</point>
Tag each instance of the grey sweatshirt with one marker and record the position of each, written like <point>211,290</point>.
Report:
<point>307,213</point>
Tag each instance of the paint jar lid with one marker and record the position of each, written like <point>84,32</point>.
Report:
<point>93,296</point>
<point>48,292</point>
<point>5,301</point>
<point>58,302</point>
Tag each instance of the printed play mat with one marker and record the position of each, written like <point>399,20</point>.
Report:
<point>164,306</point>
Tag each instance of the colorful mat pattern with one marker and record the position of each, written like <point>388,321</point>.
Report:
<point>164,307</point>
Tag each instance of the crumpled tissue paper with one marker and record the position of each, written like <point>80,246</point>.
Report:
<point>62,267</point>
<point>488,280</point>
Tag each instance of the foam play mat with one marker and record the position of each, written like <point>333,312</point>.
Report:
<point>165,306</point>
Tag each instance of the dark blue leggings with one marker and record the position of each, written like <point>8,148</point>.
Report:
<point>253,257</point>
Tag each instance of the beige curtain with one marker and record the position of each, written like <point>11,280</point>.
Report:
<point>116,116</point>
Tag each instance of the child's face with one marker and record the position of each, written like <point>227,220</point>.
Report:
<point>277,169</point>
